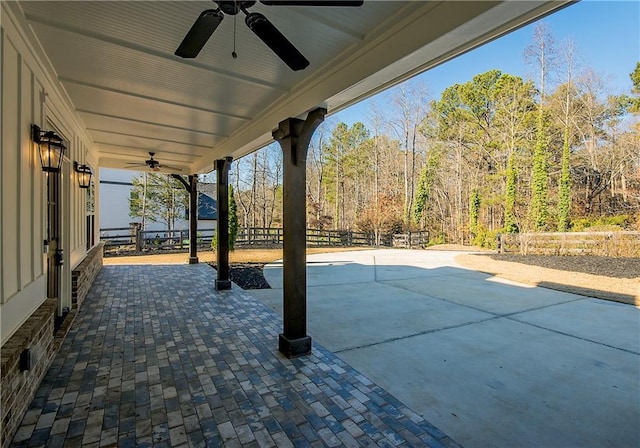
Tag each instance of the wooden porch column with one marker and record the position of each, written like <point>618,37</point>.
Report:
<point>192,188</point>
<point>193,219</point>
<point>294,136</point>
<point>222,187</point>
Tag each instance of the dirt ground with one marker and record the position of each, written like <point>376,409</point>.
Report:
<point>616,279</point>
<point>601,277</point>
<point>236,256</point>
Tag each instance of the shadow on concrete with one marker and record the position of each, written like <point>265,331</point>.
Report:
<point>595,293</point>
<point>490,361</point>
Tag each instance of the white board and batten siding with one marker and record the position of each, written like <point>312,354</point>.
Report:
<point>30,95</point>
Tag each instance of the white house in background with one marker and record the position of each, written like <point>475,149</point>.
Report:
<point>115,191</point>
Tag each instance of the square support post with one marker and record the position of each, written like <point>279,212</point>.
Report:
<point>193,219</point>
<point>294,136</point>
<point>222,261</point>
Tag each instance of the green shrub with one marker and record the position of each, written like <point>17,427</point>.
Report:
<point>603,223</point>
<point>485,238</point>
<point>440,238</point>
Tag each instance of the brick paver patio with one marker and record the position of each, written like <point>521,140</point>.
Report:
<point>156,357</point>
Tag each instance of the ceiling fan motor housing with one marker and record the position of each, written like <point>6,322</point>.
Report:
<point>234,7</point>
<point>208,21</point>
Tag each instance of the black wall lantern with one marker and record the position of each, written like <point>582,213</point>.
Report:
<point>84,175</point>
<point>51,149</point>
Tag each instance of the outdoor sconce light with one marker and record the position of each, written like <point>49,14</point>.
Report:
<point>84,175</point>
<point>51,149</point>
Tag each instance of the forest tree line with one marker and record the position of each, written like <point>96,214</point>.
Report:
<point>498,153</point>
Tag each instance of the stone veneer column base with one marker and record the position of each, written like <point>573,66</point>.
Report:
<point>83,275</point>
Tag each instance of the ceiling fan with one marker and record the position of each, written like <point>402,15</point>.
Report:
<point>153,164</point>
<point>208,21</point>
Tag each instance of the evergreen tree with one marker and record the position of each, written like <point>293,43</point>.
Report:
<point>543,55</point>
<point>474,212</point>
<point>510,196</point>
<point>233,223</point>
<point>635,79</point>
<point>539,191</point>
<point>233,219</point>
<point>515,116</point>
<point>425,184</point>
<point>564,200</point>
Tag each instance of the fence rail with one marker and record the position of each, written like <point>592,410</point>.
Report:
<point>259,236</point>
<point>607,244</point>
<point>126,239</point>
<point>411,239</point>
<point>134,239</point>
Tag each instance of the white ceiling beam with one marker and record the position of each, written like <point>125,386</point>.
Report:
<point>151,98</point>
<point>152,149</point>
<point>155,139</point>
<point>162,125</point>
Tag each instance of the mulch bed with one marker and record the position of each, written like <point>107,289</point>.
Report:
<point>587,264</point>
<point>247,275</point>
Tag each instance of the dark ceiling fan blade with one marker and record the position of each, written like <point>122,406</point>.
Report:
<point>275,40</point>
<point>312,2</point>
<point>199,34</point>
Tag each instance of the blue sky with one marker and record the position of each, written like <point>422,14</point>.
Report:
<point>606,35</point>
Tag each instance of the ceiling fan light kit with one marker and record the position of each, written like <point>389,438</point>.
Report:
<point>210,19</point>
<point>153,164</point>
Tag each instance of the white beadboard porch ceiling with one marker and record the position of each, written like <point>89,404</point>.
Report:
<point>116,61</point>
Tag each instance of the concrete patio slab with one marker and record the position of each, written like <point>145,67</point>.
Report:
<point>503,383</point>
<point>607,323</point>
<point>484,292</point>
<point>509,364</point>
<point>397,314</point>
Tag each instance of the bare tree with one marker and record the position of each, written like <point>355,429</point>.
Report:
<point>408,108</point>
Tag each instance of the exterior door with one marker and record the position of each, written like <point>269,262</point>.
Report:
<point>65,234</point>
<point>54,254</point>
